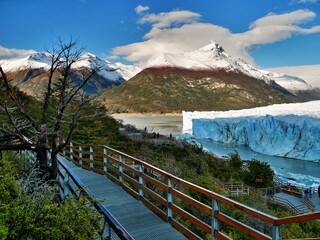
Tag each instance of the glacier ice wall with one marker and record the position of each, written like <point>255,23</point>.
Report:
<point>287,136</point>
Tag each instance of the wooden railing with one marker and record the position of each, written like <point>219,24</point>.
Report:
<point>191,209</point>
<point>70,184</point>
<point>237,188</point>
<point>309,204</point>
<point>285,203</point>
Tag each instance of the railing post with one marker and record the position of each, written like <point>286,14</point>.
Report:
<point>105,160</point>
<point>71,151</point>
<point>215,225</point>
<point>140,181</point>
<point>66,191</point>
<point>80,155</point>
<point>64,149</point>
<point>120,169</point>
<point>169,199</point>
<point>276,233</point>
<point>106,231</point>
<point>49,162</point>
<point>91,158</point>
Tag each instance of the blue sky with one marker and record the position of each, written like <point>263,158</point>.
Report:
<point>267,33</point>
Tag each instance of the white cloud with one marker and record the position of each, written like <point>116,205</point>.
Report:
<point>139,9</point>
<point>307,1</point>
<point>303,1</point>
<point>180,31</point>
<point>6,53</point>
<point>162,21</point>
<point>286,19</point>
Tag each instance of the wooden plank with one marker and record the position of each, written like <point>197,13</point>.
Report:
<point>112,159</point>
<point>112,178</point>
<point>129,168</point>
<point>100,171</point>
<point>251,232</point>
<point>95,162</point>
<point>191,218</point>
<point>153,208</point>
<point>130,191</point>
<point>221,236</point>
<point>299,218</point>
<point>189,234</point>
<point>87,160</point>
<point>154,195</point>
<point>113,169</point>
<point>130,180</point>
<point>232,203</point>
<point>86,167</point>
<point>76,149</point>
<point>154,181</point>
<point>204,208</point>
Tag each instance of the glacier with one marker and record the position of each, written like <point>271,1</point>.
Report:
<point>286,130</point>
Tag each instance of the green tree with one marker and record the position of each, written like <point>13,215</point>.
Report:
<point>259,174</point>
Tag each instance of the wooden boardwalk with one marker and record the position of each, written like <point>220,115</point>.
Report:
<point>138,220</point>
<point>298,202</point>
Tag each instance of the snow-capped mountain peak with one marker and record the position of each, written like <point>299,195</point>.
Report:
<point>36,60</point>
<point>213,56</point>
<point>114,72</point>
<point>212,47</point>
<point>40,57</point>
<point>176,60</point>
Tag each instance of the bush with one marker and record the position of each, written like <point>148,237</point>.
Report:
<point>259,174</point>
<point>29,210</point>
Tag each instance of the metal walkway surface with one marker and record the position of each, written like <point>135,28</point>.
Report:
<point>136,218</point>
<point>296,201</point>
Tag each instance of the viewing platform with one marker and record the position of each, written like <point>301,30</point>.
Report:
<point>137,219</point>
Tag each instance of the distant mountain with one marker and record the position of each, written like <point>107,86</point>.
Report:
<point>309,73</point>
<point>30,73</point>
<point>213,56</point>
<point>173,89</point>
<point>205,79</point>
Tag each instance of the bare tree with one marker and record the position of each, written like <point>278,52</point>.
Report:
<point>24,132</point>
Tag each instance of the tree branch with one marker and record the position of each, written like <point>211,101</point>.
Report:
<point>15,147</point>
<point>16,100</point>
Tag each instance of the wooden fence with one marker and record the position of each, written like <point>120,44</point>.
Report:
<point>70,184</point>
<point>195,211</point>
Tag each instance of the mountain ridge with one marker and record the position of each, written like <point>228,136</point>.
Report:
<point>171,90</point>
<point>213,56</point>
<point>29,72</point>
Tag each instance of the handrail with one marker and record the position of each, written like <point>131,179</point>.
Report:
<point>170,196</point>
<point>284,202</point>
<point>309,204</point>
<point>108,217</point>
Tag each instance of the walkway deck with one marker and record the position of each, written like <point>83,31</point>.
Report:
<point>138,220</point>
<point>296,201</point>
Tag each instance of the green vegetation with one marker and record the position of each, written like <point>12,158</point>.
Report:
<point>29,209</point>
<point>166,90</point>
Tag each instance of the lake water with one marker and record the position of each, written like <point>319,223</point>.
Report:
<point>291,170</point>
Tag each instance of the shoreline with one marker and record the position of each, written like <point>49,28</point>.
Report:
<point>115,115</point>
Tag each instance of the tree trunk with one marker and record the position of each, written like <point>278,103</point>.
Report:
<point>42,159</point>
<point>54,167</point>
